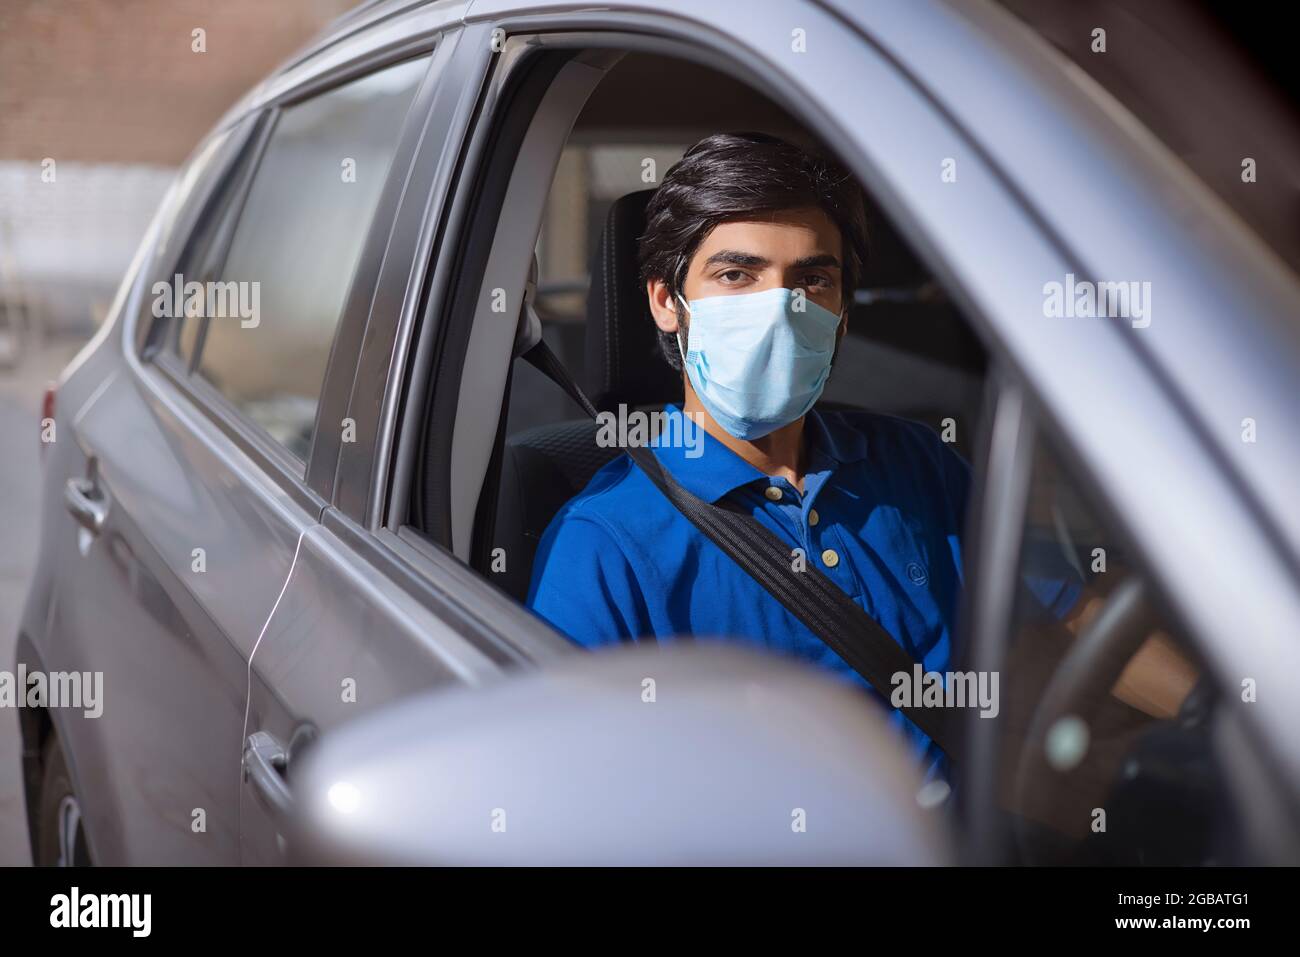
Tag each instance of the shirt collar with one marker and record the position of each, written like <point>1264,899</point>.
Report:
<point>832,436</point>
<point>715,470</point>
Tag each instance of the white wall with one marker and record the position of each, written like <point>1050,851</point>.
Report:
<point>64,245</point>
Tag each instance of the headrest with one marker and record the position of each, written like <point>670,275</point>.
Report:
<point>624,363</point>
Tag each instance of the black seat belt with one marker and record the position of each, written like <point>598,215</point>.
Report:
<point>813,598</point>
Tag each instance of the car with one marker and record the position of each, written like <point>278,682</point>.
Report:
<point>294,484</point>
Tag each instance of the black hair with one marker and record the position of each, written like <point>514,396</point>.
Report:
<point>730,176</point>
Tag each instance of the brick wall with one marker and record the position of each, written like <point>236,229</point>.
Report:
<point>117,81</point>
<point>114,93</point>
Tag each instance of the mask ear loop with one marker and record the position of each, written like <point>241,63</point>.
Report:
<point>678,334</point>
<point>679,274</point>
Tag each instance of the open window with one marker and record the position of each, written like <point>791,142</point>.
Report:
<point>581,140</point>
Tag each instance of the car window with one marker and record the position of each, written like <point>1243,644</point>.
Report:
<point>1106,747</point>
<point>909,351</point>
<point>198,187</point>
<point>276,301</point>
<point>203,249</point>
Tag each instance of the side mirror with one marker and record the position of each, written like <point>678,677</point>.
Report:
<point>692,753</point>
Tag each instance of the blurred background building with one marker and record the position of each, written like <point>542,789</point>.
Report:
<point>100,102</point>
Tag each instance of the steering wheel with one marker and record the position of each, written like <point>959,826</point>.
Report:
<point>1087,673</point>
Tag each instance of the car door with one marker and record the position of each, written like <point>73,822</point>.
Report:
<point>357,626</point>
<point>205,455</point>
<point>185,517</point>
<point>126,507</point>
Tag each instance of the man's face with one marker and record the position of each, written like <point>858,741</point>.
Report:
<point>791,249</point>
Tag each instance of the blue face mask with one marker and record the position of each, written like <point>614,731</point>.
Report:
<point>755,360</point>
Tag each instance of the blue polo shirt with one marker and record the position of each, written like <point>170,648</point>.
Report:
<point>881,515</point>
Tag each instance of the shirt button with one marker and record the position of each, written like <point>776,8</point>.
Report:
<point>829,558</point>
<point>773,493</point>
<point>813,517</point>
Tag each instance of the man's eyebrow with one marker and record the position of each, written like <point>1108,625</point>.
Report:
<point>733,257</point>
<point>821,259</point>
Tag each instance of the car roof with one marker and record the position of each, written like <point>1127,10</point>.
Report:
<point>360,18</point>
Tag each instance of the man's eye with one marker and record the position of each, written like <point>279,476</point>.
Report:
<point>816,282</point>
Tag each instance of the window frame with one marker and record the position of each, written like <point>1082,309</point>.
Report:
<point>512,102</point>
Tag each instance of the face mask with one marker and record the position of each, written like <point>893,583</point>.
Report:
<point>755,361</point>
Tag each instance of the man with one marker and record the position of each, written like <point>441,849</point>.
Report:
<point>752,250</point>
<point>751,253</point>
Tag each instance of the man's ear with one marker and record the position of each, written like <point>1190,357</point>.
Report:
<point>662,305</point>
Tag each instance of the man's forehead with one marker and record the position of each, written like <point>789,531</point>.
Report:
<point>801,232</point>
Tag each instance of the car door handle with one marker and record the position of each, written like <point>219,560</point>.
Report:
<point>265,761</point>
<point>85,500</point>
